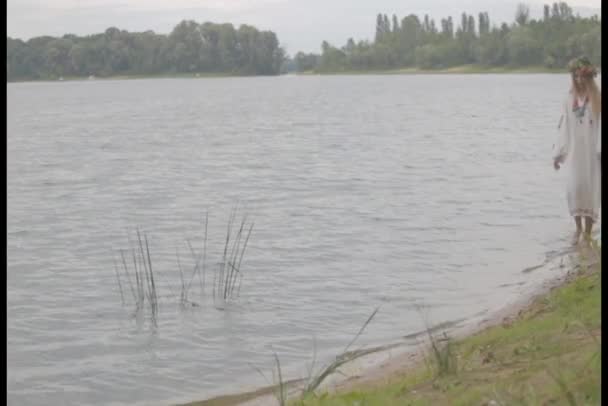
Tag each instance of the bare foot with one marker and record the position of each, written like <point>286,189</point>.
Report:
<point>587,237</point>
<point>576,237</point>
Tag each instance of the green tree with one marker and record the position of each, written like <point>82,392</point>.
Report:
<point>523,49</point>
<point>522,14</point>
<point>209,47</point>
<point>395,24</point>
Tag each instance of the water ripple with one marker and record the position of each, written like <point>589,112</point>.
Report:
<point>406,192</point>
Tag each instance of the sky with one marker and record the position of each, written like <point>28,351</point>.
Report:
<point>301,25</point>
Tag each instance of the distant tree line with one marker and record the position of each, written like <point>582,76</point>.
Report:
<point>189,48</point>
<point>414,42</point>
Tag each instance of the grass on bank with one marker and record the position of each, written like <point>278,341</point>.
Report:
<point>551,354</point>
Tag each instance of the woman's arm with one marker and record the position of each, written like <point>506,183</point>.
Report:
<point>562,145</point>
<point>599,139</point>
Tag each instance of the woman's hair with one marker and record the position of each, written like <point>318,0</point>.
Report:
<point>582,67</point>
<point>596,96</point>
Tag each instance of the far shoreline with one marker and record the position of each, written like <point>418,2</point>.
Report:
<point>459,69</point>
<point>455,70</point>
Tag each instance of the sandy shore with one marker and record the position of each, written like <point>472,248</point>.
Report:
<point>397,359</point>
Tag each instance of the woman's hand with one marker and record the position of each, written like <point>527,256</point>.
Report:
<point>556,163</point>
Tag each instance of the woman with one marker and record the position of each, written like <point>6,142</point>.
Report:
<point>579,144</point>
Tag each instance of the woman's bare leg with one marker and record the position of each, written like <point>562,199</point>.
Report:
<point>579,229</point>
<point>588,227</point>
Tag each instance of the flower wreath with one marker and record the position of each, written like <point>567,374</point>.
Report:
<point>582,66</point>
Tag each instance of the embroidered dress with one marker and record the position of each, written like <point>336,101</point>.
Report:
<point>579,147</point>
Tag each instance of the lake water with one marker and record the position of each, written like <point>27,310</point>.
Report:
<point>404,192</point>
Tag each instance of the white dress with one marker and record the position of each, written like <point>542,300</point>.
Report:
<point>579,147</point>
